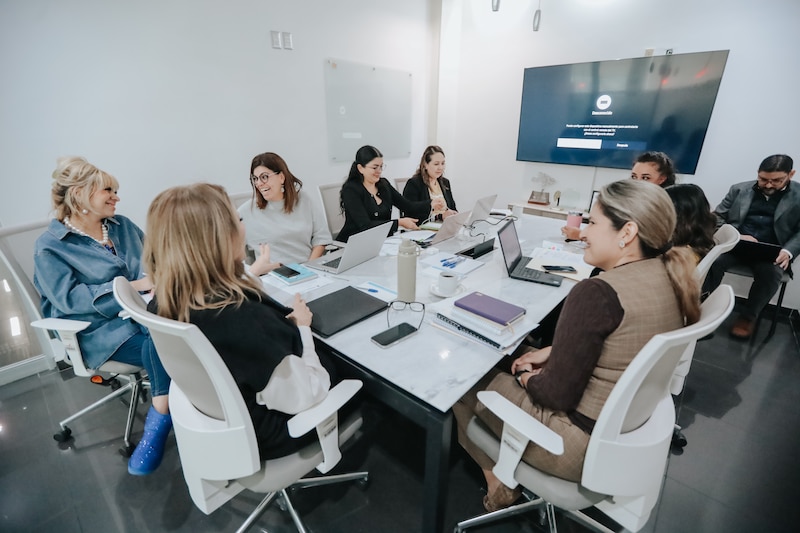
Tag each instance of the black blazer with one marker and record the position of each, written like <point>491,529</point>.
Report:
<point>362,212</point>
<point>416,190</point>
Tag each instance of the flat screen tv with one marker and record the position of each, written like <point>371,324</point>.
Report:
<point>605,113</point>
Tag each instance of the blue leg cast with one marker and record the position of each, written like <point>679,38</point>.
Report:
<point>150,450</point>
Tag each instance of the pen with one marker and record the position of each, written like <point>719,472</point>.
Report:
<point>452,263</point>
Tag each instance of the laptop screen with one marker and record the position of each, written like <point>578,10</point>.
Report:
<point>509,245</point>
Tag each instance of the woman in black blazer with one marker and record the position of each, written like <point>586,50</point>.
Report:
<point>429,183</point>
<point>367,198</point>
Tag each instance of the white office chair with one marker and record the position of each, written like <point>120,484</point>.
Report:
<point>627,452</point>
<point>16,249</point>
<point>400,184</point>
<point>329,194</point>
<point>239,198</point>
<point>725,238</point>
<point>214,431</point>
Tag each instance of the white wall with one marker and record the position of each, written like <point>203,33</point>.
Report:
<point>756,113</point>
<point>160,93</point>
<point>163,92</point>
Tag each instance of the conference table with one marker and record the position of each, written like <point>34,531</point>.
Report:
<point>423,375</point>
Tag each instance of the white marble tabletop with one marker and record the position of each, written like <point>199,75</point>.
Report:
<point>435,365</point>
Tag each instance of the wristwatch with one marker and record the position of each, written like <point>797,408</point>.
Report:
<point>518,375</point>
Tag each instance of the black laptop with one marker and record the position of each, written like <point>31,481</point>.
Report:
<point>516,262</point>
<point>756,251</point>
<point>341,309</point>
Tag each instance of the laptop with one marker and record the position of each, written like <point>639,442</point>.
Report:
<point>360,247</point>
<point>516,262</point>
<point>331,317</point>
<point>452,224</point>
<point>756,251</point>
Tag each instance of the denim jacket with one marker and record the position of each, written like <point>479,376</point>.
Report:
<point>74,273</point>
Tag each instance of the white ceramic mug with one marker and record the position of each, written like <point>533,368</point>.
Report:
<point>448,283</point>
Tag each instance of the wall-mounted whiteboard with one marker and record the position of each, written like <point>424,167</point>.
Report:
<point>367,105</point>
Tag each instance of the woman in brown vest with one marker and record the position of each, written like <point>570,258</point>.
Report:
<point>646,288</point>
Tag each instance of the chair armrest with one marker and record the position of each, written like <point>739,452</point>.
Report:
<point>528,426</point>
<point>305,421</point>
<point>519,428</point>
<point>61,324</point>
<point>324,417</point>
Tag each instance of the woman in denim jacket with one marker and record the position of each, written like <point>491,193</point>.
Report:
<point>75,260</point>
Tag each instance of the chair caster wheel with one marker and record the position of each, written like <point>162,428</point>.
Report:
<point>679,440</point>
<point>126,450</point>
<point>64,435</point>
<point>282,504</point>
<point>115,384</point>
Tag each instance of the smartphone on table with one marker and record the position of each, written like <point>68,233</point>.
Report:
<point>393,335</point>
<point>559,268</point>
<point>286,272</point>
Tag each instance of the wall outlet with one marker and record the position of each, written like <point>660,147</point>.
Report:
<point>287,40</point>
<point>276,39</point>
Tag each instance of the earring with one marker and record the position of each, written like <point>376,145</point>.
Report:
<point>621,243</point>
<point>283,189</point>
<point>85,211</point>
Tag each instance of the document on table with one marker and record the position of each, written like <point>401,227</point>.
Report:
<point>448,262</point>
<point>542,256</point>
<point>302,288</point>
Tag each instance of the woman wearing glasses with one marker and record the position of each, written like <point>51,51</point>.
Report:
<point>367,198</point>
<point>283,224</point>
<point>428,183</point>
<point>195,256</point>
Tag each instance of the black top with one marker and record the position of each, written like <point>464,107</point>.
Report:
<point>416,190</point>
<point>362,212</point>
<point>252,339</point>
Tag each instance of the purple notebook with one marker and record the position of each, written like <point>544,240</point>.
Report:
<point>490,308</point>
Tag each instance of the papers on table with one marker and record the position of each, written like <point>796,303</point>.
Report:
<point>378,291</point>
<point>448,262</point>
<point>302,287</point>
<point>543,256</point>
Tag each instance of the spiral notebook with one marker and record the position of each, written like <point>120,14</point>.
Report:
<point>444,318</point>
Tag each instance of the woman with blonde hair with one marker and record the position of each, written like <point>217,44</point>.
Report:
<point>646,288</point>
<point>194,253</point>
<point>76,260</point>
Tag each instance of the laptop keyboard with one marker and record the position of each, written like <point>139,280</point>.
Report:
<point>333,263</point>
<point>529,273</point>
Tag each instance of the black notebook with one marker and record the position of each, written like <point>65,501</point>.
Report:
<point>341,309</point>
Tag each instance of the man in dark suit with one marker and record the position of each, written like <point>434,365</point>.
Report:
<point>765,211</point>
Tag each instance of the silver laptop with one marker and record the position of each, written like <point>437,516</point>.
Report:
<point>360,247</point>
<point>452,224</point>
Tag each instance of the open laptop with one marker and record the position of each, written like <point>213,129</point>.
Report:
<point>516,262</point>
<point>360,247</point>
<point>452,224</point>
<point>756,251</point>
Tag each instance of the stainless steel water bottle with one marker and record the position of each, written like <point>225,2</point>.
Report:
<point>407,271</point>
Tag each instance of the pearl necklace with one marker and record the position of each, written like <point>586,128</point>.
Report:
<point>79,231</point>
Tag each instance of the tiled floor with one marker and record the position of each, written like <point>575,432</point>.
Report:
<point>739,472</point>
